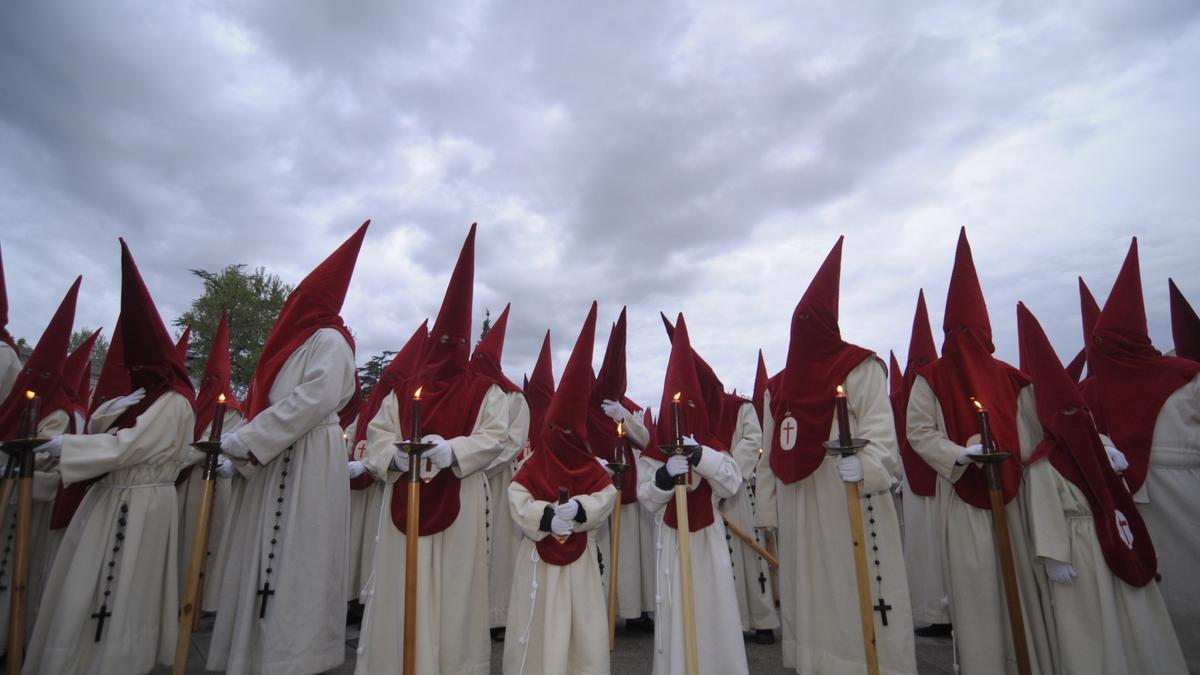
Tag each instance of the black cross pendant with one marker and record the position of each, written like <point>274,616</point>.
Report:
<point>266,592</point>
<point>100,617</point>
<point>882,607</point>
<point>762,582</point>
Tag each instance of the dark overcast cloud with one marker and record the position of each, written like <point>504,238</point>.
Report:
<point>695,157</point>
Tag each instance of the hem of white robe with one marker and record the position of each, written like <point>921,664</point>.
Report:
<point>303,664</point>
<point>812,661</point>
<point>924,615</point>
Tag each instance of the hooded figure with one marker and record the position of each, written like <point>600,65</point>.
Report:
<point>213,384</point>
<point>110,603</point>
<point>923,532</point>
<point>283,587</point>
<point>113,382</point>
<point>45,374</point>
<point>1185,325</point>
<point>1089,312</point>
<point>366,493</point>
<point>608,407</point>
<point>539,389</point>
<point>1151,404</point>
<point>464,415</point>
<point>943,429</point>
<point>712,475</point>
<point>557,608</point>
<point>503,537</point>
<point>1087,534</point>
<point>10,356</point>
<point>801,491</point>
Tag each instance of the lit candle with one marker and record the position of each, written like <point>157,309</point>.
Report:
<point>415,426</point>
<point>218,423</point>
<point>33,404</point>
<point>843,418</point>
<point>675,418</point>
<point>985,427</point>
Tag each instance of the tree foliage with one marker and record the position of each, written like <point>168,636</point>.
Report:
<point>369,374</point>
<point>253,300</point>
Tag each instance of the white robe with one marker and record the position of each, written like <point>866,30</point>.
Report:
<point>138,465</point>
<point>305,626</point>
<point>10,367</point>
<point>970,563</point>
<point>751,574</point>
<point>358,521</point>
<point>374,513</point>
<point>1104,626</point>
<point>720,648</point>
<point>503,537</point>
<point>557,617</point>
<point>1170,504</point>
<point>635,585</point>
<point>452,597</point>
<point>41,542</point>
<point>818,587</point>
<point>923,539</point>
<point>189,508</point>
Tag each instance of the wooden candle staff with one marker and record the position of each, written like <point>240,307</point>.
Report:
<point>618,469</point>
<point>683,532</point>
<point>21,450</point>
<point>412,533</point>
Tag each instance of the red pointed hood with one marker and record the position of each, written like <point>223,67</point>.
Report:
<point>114,376</point>
<point>77,373</point>
<point>611,380</point>
<point>760,385</point>
<point>1185,325</point>
<point>895,375</point>
<point>43,370</point>
<point>1074,448</point>
<point>181,345</point>
<point>1129,379</point>
<point>448,352</point>
<point>149,352</point>
<point>922,351</point>
<point>539,391</point>
<point>818,361</point>
<point>4,334</point>
<point>1089,310</point>
<point>563,458</point>
<point>396,377</point>
<point>315,303</point>
<point>967,370</point>
<point>487,356</point>
<point>218,370</point>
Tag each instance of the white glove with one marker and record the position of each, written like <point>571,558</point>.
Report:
<point>1059,572</point>
<point>52,447</point>
<point>400,461</point>
<point>567,511</point>
<point>355,468</point>
<point>561,527</point>
<point>677,465</point>
<point>441,455</point>
<point>604,463</point>
<point>614,410</point>
<point>969,452</point>
<point>225,468</point>
<point>232,445</point>
<point>1117,459</point>
<point>126,402</point>
<point>850,468</point>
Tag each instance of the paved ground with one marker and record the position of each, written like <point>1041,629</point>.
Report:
<point>631,657</point>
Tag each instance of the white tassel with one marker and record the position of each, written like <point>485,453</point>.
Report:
<point>524,639</point>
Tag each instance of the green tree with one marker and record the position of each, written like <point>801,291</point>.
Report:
<point>99,351</point>
<point>487,324</point>
<point>369,374</point>
<point>253,300</point>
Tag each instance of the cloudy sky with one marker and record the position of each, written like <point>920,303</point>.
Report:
<point>695,157</point>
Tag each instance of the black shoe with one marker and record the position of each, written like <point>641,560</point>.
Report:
<point>644,624</point>
<point>354,613</point>
<point>498,634</point>
<point>934,630</point>
<point>764,637</point>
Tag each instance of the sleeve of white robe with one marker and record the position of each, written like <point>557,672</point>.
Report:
<point>749,438</point>
<point>766,514</point>
<point>718,468</point>
<point>328,383</point>
<point>927,436</point>
<point>157,430</point>
<point>10,367</point>
<point>866,394</point>
<point>1049,534</point>
<point>1029,427</point>
<point>476,451</point>
<point>45,471</point>
<point>638,435</point>
<point>528,512</point>
<point>518,430</point>
<point>103,417</point>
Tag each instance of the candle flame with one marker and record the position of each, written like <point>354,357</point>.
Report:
<point>29,394</point>
<point>417,393</point>
<point>978,405</point>
<point>620,429</point>
<point>840,391</point>
<point>221,398</point>
<point>676,396</point>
